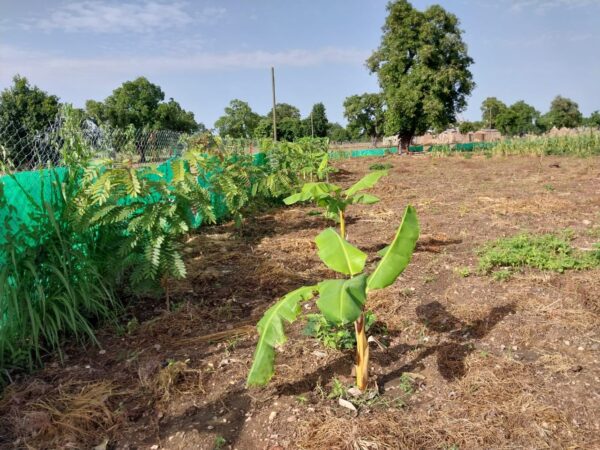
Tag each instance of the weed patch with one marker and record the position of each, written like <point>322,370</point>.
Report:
<point>545,252</point>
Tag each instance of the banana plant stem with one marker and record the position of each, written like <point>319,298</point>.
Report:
<point>342,225</point>
<point>362,354</point>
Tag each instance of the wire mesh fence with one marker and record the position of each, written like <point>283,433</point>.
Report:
<point>22,148</point>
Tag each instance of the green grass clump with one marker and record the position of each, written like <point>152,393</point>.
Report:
<point>380,166</point>
<point>545,252</point>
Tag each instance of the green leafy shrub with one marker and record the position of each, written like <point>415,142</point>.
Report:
<point>545,252</point>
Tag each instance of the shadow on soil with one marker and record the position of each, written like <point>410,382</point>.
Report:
<point>450,360</point>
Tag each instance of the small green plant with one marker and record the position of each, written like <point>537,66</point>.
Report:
<point>463,271</point>
<point>549,187</point>
<point>381,166</point>
<point>406,384</point>
<point>302,399</point>
<point>502,274</point>
<point>219,443</point>
<point>335,200</point>
<point>339,337</point>
<point>545,252</point>
<point>341,301</point>
<point>338,390</point>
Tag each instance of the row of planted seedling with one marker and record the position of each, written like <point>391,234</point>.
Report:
<point>111,226</point>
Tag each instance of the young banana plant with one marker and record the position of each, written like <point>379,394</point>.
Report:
<point>341,301</point>
<point>335,200</point>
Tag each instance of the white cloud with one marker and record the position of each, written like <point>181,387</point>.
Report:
<point>544,5</point>
<point>52,66</point>
<point>123,17</point>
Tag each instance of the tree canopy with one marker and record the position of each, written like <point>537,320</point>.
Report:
<point>564,112</point>
<point>518,119</point>
<point>593,120</point>
<point>365,114</point>
<point>140,103</point>
<point>239,121</point>
<point>423,69</point>
<point>24,111</point>
<point>317,121</point>
<point>491,108</point>
<point>337,133</point>
<point>27,107</point>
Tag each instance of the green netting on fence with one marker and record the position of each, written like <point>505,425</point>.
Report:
<point>20,193</point>
<point>381,151</point>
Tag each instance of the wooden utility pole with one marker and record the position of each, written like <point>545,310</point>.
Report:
<point>274,118</point>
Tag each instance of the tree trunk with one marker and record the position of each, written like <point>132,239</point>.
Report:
<point>362,354</point>
<point>404,143</point>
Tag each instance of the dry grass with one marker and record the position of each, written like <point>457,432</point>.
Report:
<point>497,405</point>
<point>66,416</point>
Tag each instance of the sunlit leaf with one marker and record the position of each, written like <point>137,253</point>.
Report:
<point>398,255</point>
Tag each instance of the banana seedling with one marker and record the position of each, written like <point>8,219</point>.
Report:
<point>335,200</point>
<point>341,301</point>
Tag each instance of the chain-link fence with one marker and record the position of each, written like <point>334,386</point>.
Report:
<point>22,148</point>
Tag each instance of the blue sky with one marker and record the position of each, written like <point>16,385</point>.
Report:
<point>204,53</point>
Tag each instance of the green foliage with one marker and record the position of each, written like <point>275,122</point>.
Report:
<point>581,145</point>
<point>25,110</point>
<point>491,108</point>
<point>338,390</point>
<point>271,331</point>
<point>380,166</point>
<point>151,214</point>
<point>423,69</point>
<point>317,121</point>
<point>239,121</point>
<point>468,127</point>
<point>365,115</point>
<point>56,289</point>
<point>593,120</point>
<point>564,112</point>
<point>545,252</point>
<point>333,199</point>
<point>518,119</point>
<point>341,301</point>
<point>463,271</point>
<point>110,222</point>
<point>396,256</point>
<point>338,133</point>
<point>338,254</point>
<point>339,337</point>
<point>140,103</point>
<point>219,443</point>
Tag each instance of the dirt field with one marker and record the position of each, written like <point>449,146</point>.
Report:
<point>471,363</point>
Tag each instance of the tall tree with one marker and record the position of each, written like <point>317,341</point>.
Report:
<point>518,119</point>
<point>283,110</point>
<point>491,108</point>
<point>25,110</point>
<point>423,68</point>
<point>564,112</point>
<point>239,121</point>
<point>338,133</point>
<point>289,125</point>
<point>139,103</point>
<point>317,121</point>
<point>593,120</point>
<point>366,115</point>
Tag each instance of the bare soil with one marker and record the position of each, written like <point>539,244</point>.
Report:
<point>470,362</point>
